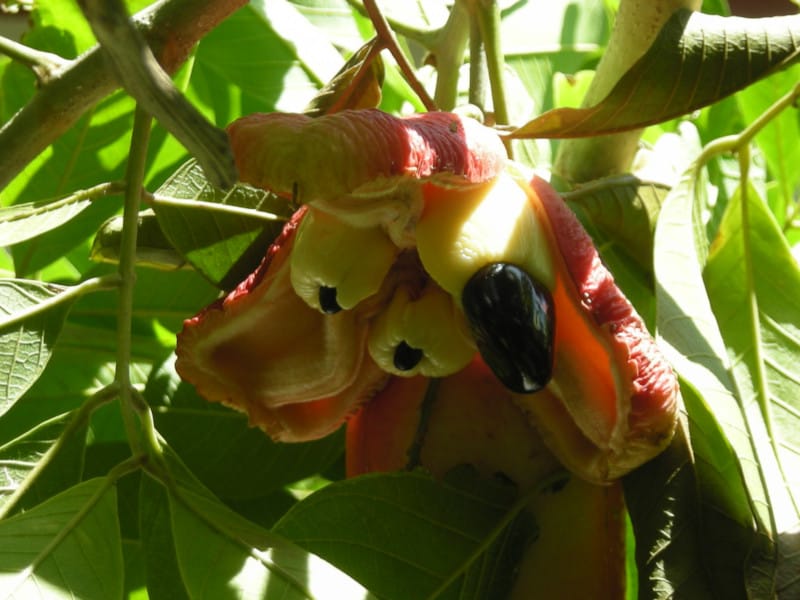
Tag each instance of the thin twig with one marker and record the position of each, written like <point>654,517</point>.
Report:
<point>387,38</point>
<point>45,65</point>
<point>134,179</point>
<point>143,78</point>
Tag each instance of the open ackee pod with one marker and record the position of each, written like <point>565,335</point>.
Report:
<point>437,186</point>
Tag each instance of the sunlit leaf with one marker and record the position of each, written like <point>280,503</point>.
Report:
<point>754,287</point>
<point>26,221</point>
<point>726,447</point>
<point>224,246</point>
<point>696,60</point>
<point>66,547</point>
<point>26,345</point>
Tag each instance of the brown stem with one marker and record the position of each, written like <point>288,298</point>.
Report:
<point>387,38</point>
<point>171,29</point>
<point>143,78</point>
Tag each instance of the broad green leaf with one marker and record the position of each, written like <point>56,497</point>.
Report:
<point>26,221</point>
<point>222,555</point>
<point>234,460</point>
<point>754,286</point>
<point>664,507</point>
<point>403,534</point>
<point>690,338</point>
<point>224,245</point>
<point>67,547</point>
<point>19,454</point>
<point>152,246</point>
<point>164,580</point>
<point>726,447</point>
<point>696,60</point>
<point>26,338</point>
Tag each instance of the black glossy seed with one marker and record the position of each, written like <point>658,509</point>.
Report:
<point>327,300</point>
<point>512,319</point>
<point>406,357</point>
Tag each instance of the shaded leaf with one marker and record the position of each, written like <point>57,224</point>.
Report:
<point>403,534</point>
<point>152,246</point>
<point>696,60</point>
<point>214,547</point>
<point>19,454</point>
<point>625,209</point>
<point>235,460</point>
<point>76,550</point>
<point>664,508</point>
<point>225,246</point>
<point>162,572</point>
<point>26,346</point>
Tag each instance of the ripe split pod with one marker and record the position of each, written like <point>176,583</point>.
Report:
<point>451,218</point>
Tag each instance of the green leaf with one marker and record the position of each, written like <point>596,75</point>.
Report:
<point>214,547</point>
<point>625,209</point>
<point>27,342</point>
<point>223,243</point>
<point>778,139</point>
<point>164,580</point>
<point>730,447</point>
<point>664,507</point>
<point>754,287</point>
<point>66,547</point>
<point>403,534</point>
<point>27,221</point>
<point>696,60</point>
<point>19,454</point>
<point>234,460</point>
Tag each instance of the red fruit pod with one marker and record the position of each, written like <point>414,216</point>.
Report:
<point>437,186</point>
<point>296,372</point>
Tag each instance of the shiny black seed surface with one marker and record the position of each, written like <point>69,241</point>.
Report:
<point>327,300</point>
<point>406,357</point>
<point>512,319</point>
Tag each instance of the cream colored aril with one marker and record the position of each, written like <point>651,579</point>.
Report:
<point>427,335</point>
<point>352,261</point>
<point>462,231</point>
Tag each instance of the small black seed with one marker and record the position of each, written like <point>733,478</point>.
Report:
<point>406,357</point>
<point>327,300</point>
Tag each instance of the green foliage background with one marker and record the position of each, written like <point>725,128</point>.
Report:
<point>238,515</point>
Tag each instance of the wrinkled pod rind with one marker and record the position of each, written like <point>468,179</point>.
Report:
<point>354,163</point>
<point>235,352</point>
<point>512,318</point>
